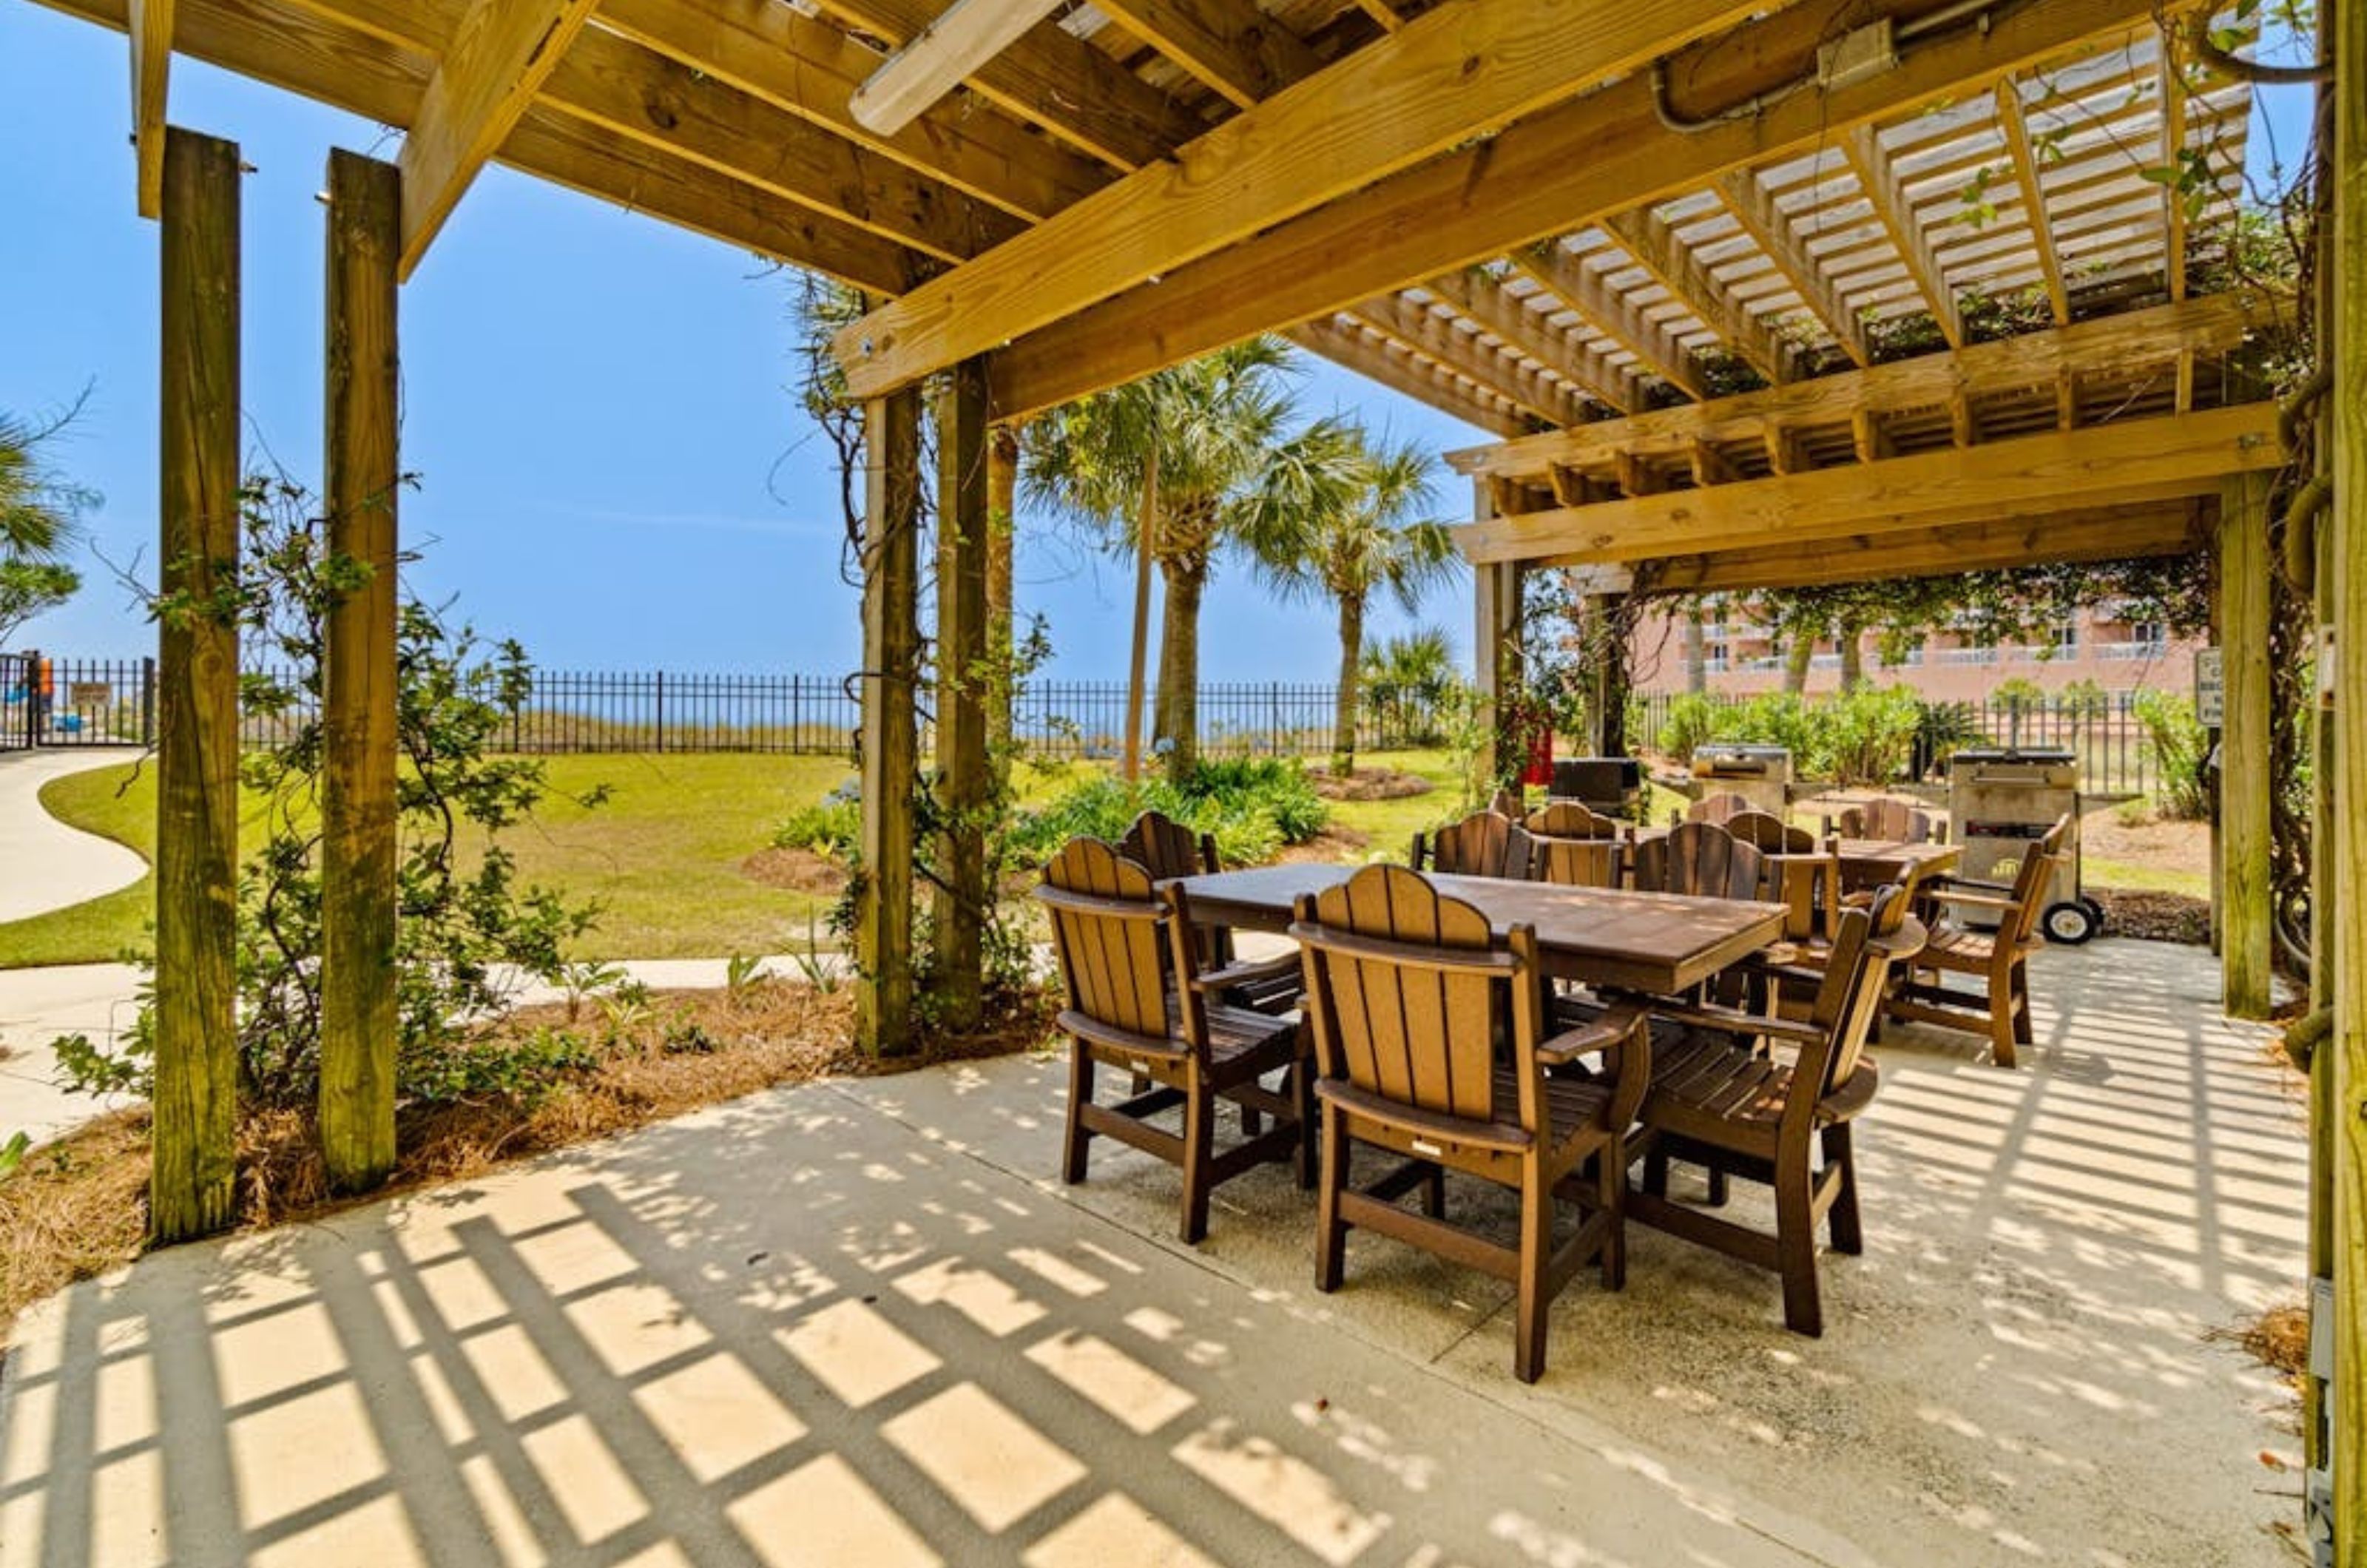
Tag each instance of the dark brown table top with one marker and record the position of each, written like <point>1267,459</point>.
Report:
<point>1659,942</point>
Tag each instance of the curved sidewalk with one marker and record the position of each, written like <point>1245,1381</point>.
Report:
<point>50,865</point>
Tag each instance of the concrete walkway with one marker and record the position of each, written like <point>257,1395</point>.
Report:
<point>44,865</point>
<point>857,1323</point>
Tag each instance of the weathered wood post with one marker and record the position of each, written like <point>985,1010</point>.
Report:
<point>965,682</point>
<point>357,707</point>
<point>1002,523</point>
<point>2347,416</point>
<point>192,1184</point>
<point>891,636</point>
<point>2247,940</point>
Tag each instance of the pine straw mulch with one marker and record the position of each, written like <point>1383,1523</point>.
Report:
<point>799,870</point>
<point>1367,784</point>
<point>2155,917</point>
<point>78,1207</point>
<point>1331,846</point>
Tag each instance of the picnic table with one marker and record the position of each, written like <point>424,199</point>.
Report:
<point>1662,943</point>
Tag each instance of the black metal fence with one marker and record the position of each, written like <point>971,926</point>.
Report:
<point>47,701</point>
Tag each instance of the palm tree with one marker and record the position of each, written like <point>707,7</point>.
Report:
<point>1168,468</point>
<point>1356,533</point>
<point>1409,676</point>
<point>40,512</point>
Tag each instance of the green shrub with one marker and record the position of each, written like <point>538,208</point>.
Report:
<point>1869,735</point>
<point>831,826</point>
<point>1251,805</point>
<point>1694,720</point>
<point>2178,746</point>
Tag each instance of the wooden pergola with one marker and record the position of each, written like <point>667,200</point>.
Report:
<point>1724,273</point>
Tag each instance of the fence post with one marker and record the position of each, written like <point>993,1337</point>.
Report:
<point>661,709</point>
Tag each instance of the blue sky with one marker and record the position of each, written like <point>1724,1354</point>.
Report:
<point>612,469</point>
<point>612,466</point>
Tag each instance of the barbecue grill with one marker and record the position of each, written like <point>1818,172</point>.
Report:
<point>1611,785</point>
<point>1761,774</point>
<point>2003,800</point>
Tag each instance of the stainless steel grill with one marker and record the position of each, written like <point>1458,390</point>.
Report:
<point>2001,800</point>
<point>1761,774</point>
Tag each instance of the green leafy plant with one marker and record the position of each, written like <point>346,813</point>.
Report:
<point>13,1152</point>
<point>1251,805</point>
<point>2180,749</point>
<point>465,929</point>
<point>831,825</point>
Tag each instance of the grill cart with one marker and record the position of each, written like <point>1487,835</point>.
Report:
<point>1608,785</point>
<point>1761,774</point>
<point>2002,799</point>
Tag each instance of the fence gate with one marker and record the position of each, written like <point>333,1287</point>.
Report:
<point>77,702</point>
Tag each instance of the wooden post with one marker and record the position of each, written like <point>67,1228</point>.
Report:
<point>965,678</point>
<point>2346,415</point>
<point>357,706</point>
<point>1002,523</point>
<point>891,636</point>
<point>192,1184</point>
<point>2247,940</point>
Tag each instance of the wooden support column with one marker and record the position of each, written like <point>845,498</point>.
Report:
<point>1496,634</point>
<point>890,743</point>
<point>1002,520</point>
<point>357,706</point>
<point>965,678</point>
<point>192,1184</point>
<point>2246,942</point>
<point>2346,415</point>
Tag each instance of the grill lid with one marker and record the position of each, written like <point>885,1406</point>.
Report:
<point>2048,754</point>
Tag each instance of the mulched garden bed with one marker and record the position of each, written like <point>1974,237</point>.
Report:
<point>1369,783</point>
<point>2155,917</point>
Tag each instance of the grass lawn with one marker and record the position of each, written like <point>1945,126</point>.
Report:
<point>662,856</point>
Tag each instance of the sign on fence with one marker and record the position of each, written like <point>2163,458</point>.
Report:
<point>2210,689</point>
<point>89,694</point>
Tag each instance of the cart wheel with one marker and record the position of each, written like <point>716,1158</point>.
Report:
<point>2071,922</point>
<point>2095,908</point>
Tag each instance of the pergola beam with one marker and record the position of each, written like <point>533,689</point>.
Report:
<point>1754,208</point>
<point>1652,241</point>
<point>1233,46</point>
<point>2128,462</point>
<point>1878,179</point>
<point>2170,83</point>
<point>965,36</point>
<point>1439,338</point>
<point>495,65</point>
<point>1569,164</point>
<point>1567,277</point>
<point>1458,72</point>
<point>2124,343</point>
<point>2014,121</point>
<point>1485,301</point>
<point>151,64</point>
<point>1371,358</point>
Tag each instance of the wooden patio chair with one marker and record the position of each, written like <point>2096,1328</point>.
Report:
<point>1999,959</point>
<point>1137,1000</point>
<point>1169,850</point>
<point>1718,1101</point>
<point>1576,863</point>
<point>1699,858</point>
<point>1407,994</point>
<point>1717,808</point>
<point>1486,843</point>
<point>1769,834</point>
<point>1885,819</point>
<point>1570,819</point>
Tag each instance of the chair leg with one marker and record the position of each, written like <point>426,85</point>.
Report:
<point>2021,1005</point>
<point>1302,1094</point>
<point>1081,1094</point>
<point>1795,1244</point>
<point>1433,1192</point>
<point>1199,1152</point>
<point>1656,1172</point>
<point>1330,1234</point>
<point>1529,1285</point>
<point>2001,1029</point>
<point>1847,1236</point>
<point>1718,1190</point>
<point>1611,1194</point>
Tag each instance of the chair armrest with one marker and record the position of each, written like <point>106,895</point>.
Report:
<point>1733,1020</point>
<point>1946,879</point>
<point>1246,972</point>
<point>1977,900</point>
<point>1610,1028</point>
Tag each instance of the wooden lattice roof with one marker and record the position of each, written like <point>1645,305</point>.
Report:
<point>1532,213</point>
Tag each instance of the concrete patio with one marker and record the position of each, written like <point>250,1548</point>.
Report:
<point>856,1322</point>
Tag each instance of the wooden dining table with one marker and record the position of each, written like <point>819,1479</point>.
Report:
<point>1870,862</point>
<point>1657,942</point>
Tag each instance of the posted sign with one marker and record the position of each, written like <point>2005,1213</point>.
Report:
<point>2210,691</point>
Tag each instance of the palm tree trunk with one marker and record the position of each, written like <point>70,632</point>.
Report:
<point>1696,654</point>
<point>1178,723</point>
<point>1798,654</point>
<point>1351,655</point>
<point>1146,531</point>
<point>1852,642</point>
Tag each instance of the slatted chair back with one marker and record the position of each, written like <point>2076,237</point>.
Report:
<point>1885,819</point>
<point>1810,887</point>
<point>1717,808</point>
<point>1486,843</point>
<point>1576,863</point>
<point>1849,995</point>
<point>2029,885</point>
<point>1408,990</point>
<point>1769,834</point>
<point>1167,849</point>
<point>1570,819</point>
<point>1109,928</point>
<point>1699,858</point>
